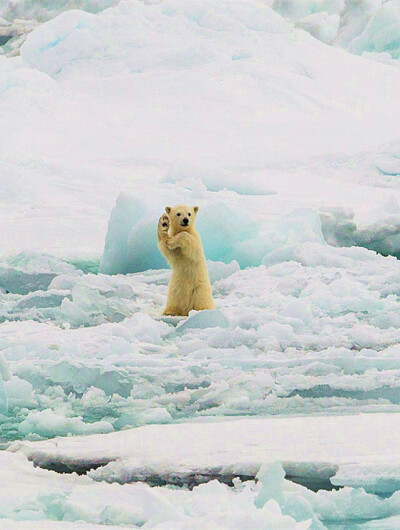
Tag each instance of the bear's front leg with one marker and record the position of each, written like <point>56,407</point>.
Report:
<point>163,227</point>
<point>170,312</point>
<point>162,236</point>
<point>181,241</point>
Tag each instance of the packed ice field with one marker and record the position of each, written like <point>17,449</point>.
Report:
<point>280,120</point>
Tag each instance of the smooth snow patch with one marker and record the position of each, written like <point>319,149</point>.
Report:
<point>310,448</point>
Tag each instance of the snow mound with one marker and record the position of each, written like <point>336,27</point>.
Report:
<point>220,63</point>
<point>78,36</point>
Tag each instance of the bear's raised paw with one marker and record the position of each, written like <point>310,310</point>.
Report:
<point>163,223</point>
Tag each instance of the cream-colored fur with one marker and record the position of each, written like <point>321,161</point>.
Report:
<point>180,244</point>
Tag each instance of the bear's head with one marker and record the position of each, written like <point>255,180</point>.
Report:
<point>181,217</point>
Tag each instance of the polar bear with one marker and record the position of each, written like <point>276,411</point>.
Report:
<point>180,244</point>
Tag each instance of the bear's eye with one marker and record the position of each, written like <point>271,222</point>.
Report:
<point>178,214</point>
<point>189,214</point>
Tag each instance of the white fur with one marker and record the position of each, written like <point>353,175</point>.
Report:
<point>190,286</point>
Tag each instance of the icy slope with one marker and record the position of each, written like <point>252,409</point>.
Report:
<point>247,102</point>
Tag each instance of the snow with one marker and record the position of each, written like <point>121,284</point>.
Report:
<point>381,477</point>
<point>3,398</point>
<point>47,423</point>
<point>19,392</point>
<point>382,31</point>
<point>290,147</point>
<point>311,118</point>
<point>51,500</point>
<point>316,334</point>
<point>316,446</point>
<point>321,25</point>
<point>308,447</point>
<point>203,320</point>
<point>43,10</point>
<point>361,26</point>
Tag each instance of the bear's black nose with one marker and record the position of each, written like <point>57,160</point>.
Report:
<point>185,221</point>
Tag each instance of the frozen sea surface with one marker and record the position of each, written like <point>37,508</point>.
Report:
<point>314,330</point>
<point>317,451</point>
<point>290,146</point>
<point>44,497</point>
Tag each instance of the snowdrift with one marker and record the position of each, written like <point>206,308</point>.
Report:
<point>252,112</point>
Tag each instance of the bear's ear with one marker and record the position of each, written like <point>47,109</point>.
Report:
<point>196,209</point>
<point>168,209</point>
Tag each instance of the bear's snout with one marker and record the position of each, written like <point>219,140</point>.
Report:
<point>185,221</point>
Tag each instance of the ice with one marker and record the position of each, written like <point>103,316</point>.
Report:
<point>34,498</point>
<point>321,25</point>
<point>203,320</point>
<point>382,31</point>
<point>354,19</point>
<point>219,270</point>
<point>313,330</point>
<point>245,444</point>
<point>19,17</point>
<point>200,177</point>
<point>357,26</point>
<point>282,70</point>
<point>122,239</point>
<point>145,329</point>
<point>297,9</point>
<point>47,423</point>
<point>18,392</point>
<point>382,478</point>
<point>31,271</point>
<point>365,26</point>
<point>271,477</point>
<point>290,147</point>
<point>3,398</point>
<point>228,235</point>
<point>43,10</point>
<point>5,375</point>
<point>112,494</point>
